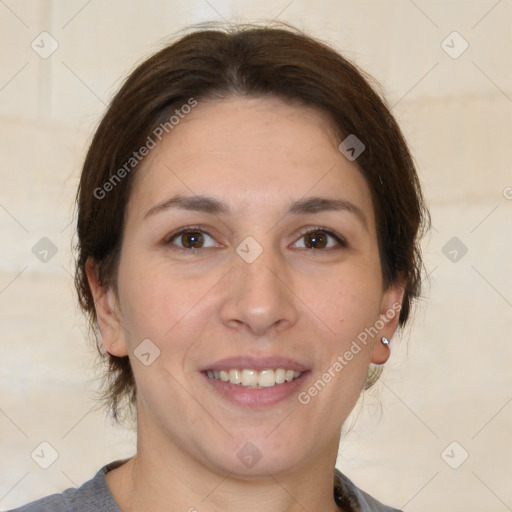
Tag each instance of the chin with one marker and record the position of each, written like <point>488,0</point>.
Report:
<point>256,459</point>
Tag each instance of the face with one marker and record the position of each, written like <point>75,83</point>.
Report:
<point>249,254</point>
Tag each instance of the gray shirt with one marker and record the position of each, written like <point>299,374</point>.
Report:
<point>95,496</point>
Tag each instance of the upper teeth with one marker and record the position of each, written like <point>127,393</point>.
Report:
<point>254,378</point>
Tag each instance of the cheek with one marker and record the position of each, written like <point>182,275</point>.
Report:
<point>142,301</point>
<point>346,345</point>
<point>161,306</point>
<point>346,305</point>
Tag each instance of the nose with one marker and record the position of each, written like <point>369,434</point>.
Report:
<point>259,297</point>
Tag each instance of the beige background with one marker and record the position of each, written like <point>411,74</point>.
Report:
<point>449,378</point>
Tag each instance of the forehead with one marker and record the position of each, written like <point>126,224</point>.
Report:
<point>249,152</point>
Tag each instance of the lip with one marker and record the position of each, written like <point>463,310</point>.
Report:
<point>255,398</point>
<point>255,363</point>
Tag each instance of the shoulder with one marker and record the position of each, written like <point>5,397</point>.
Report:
<point>349,496</point>
<point>92,496</point>
<point>53,503</point>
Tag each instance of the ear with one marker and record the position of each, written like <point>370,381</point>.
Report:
<point>107,312</point>
<point>388,321</point>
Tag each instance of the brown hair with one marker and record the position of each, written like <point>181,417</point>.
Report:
<point>250,61</point>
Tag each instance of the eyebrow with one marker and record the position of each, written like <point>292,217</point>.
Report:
<point>196,203</point>
<point>215,207</point>
<point>322,204</point>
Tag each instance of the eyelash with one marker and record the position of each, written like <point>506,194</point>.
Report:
<point>182,231</point>
<point>318,229</point>
<point>303,232</point>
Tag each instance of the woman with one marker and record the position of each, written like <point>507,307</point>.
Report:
<point>248,226</point>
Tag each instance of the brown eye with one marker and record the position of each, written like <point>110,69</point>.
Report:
<point>320,239</point>
<point>315,240</point>
<point>192,239</point>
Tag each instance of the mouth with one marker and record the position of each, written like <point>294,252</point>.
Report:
<point>254,379</point>
<point>255,382</point>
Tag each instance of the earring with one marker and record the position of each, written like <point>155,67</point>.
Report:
<point>385,341</point>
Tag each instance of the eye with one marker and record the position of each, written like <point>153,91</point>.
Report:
<point>192,238</point>
<point>319,238</point>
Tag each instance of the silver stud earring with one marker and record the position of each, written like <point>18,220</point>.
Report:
<point>385,341</point>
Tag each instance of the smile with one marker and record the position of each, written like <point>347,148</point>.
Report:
<point>255,379</point>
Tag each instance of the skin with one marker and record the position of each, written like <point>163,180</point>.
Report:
<point>198,306</point>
